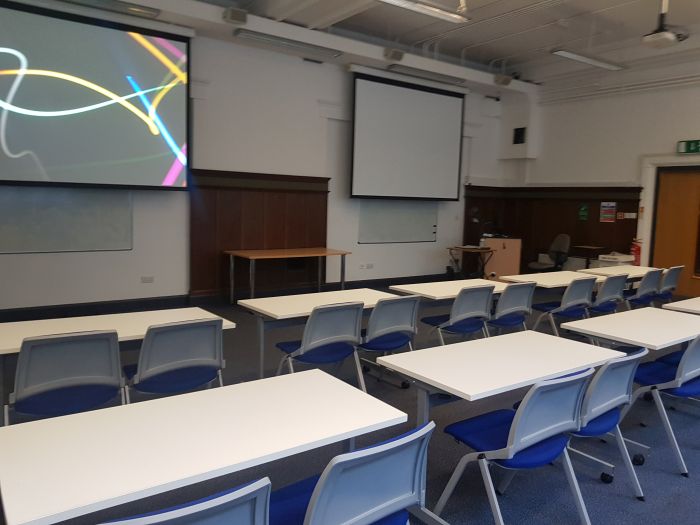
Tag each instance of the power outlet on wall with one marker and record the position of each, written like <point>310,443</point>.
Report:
<point>147,279</point>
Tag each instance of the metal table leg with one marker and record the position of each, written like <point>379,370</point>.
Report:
<point>320,261</point>
<point>342,272</point>
<point>231,259</point>
<point>261,346</point>
<point>423,413</point>
<point>251,278</point>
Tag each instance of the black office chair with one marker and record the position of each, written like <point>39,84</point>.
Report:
<point>558,253</point>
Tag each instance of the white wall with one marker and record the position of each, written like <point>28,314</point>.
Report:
<point>264,112</point>
<point>160,249</point>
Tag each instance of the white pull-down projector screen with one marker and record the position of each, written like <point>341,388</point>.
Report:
<point>407,140</point>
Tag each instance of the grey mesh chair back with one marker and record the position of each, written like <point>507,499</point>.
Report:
<point>516,298</point>
<point>578,293</point>
<point>612,290</point>
<point>670,279</point>
<point>172,346</point>
<point>649,285</point>
<point>689,367</point>
<point>334,323</point>
<point>549,408</point>
<point>67,360</point>
<point>559,249</point>
<point>472,303</point>
<point>367,485</point>
<point>611,387</point>
<point>393,315</point>
<point>247,505</point>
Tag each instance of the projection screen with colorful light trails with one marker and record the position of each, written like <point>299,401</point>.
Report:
<point>85,104</point>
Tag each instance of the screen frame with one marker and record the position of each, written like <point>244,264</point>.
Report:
<point>109,24</point>
<point>408,85</point>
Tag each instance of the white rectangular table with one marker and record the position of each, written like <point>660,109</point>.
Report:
<point>130,326</point>
<point>652,328</point>
<point>445,290</point>
<point>690,306</point>
<point>60,468</point>
<point>481,368</point>
<point>633,272</point>
<point>547,279</point>
<point>289,309</point>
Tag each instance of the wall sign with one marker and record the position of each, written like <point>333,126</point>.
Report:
<point>583,212</point>
<point>608,211</point>
<point>688,147</point>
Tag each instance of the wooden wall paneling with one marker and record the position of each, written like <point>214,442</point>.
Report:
<point>204,252</point>
<point>231,210</point>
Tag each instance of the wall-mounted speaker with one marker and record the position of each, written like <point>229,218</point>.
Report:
<point>394,55</point>
<point>233,15</point>
<point>519,135</point>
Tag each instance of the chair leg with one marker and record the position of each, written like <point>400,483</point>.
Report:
<point>127,396</point>
<point>490,491</point>
<point>573,484</point>
<point>221,377</point>
<point>539,320</point>
<point>669,431</point>
<point>410,346</point>
<point>505,481</point>
<point>628,463</point>
<point>452,483</point>
<point>358,367</point>
<point>290,364</point>
<point>553,324</point>
<point>524,327</point>
<point>442,340</point>
<point>6,413</point>
<point>279,367</point>
<point>485,331</point>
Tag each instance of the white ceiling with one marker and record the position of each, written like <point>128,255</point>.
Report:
<point>515,35</point>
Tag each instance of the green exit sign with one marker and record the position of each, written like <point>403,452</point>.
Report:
<point>688,147</point>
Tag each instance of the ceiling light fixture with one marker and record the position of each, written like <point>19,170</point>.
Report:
<point>429,10</point>
<point>427,75</point>
<point>285,43</point>
<point>587,60</point>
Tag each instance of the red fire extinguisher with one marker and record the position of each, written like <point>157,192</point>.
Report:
<point>636,250</point>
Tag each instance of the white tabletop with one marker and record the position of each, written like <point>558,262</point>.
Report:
<point>130,326</point>
<point>652,328</point>
<point>441,290</point>
<point>633,272</point>
<point>547,279</point>
<point>290,306</point>
<point>691,306</point>
<point>64,467</point>
<point>485,367</point>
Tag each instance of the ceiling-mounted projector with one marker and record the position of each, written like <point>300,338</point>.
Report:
<point>662,36</point>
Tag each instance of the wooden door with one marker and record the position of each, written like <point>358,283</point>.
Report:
<point>677,227</point>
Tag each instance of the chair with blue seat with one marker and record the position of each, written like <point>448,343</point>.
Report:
<point>647,291</point>
<point>680,381</point>
<point>331,335</point>
<point>65,374</point>
<point>470,311</point>
<point>377,485</point>
<point>178,357</point>
<point>610,295</point>
<point>669,283</point>
<point>534,435</point>
<point>246,505</point>
<point>609,392</point>
<point>514,306</point>
<point>573,305</point>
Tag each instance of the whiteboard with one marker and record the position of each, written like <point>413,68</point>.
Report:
<point>392,221</point>
<point>41,219</point>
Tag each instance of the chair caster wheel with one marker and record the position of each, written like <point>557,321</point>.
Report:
<point>405,385</point>
<point>647,396</point>
<point>641,498</point>
<point>606,478</point>
<point>685,475</point>
<point>365,369</point>
<point>638,459</point>
<point>642,424</point>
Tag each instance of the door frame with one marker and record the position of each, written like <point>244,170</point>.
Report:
<point>659,169</point>
<point>648,177</point>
